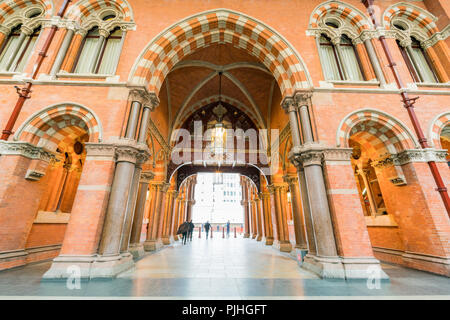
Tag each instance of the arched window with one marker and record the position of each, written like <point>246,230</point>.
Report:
<point>17,49</point>
<point>339,61</point>
<point>418,62</point>
<point>99,54</point>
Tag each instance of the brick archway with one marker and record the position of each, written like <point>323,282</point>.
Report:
<point>343,10</point>
<point>418,16</point>
<point>85,8</point>
<point>52,125</point>
<point>437,125</point>
<point>10,7</point>
<point>391,133</point>
<point>220,26</point>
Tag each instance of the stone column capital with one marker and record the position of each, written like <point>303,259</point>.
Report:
<point>147,176</point>
<point>145,98</point>
<point>290,179</point>
<point>82,32</point>
<point>103,33</point>
<point>26,30</point>
<point>299,99</point>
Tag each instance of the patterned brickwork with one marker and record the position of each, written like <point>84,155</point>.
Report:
<point>220,26</point>
<point>341,10</point>
<point>436,128</point>
<point>85,8</point>
<point>415,14</point>
<point>59,124</point>
<point>374,129</point>
<point>10,7</point>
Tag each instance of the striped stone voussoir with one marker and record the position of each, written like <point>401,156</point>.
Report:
<point>343,11</point>
<point>60,124</point>
<point>421,17</point>
<point>377,130</point>
<point>221,26</point>
<point>85,8</point>
<point>9,7</point>
<point>437,127</point>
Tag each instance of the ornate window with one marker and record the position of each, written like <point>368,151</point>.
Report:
<point>100,52</point>
<point>95,46</point>
<point>339,59</point>
<point>416,59</point>
<point>417,38</point>
<point>22,31</point>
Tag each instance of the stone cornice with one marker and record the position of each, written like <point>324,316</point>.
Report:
<point>410,156</point>
<point>26,150</point>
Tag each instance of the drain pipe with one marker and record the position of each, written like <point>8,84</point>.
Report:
<point>24,93</point>
<point>409,105</point>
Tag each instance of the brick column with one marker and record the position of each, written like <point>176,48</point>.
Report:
<point>22,171</point>
<point>259,218</point>
<point>268,233</point>
<point>149,243</point>
<point>176,213</point>
<point>281,239</point>
<point>136,247</point>
<point>84,230</point>
<point>245,204</point>
<point>297,210</point>
<point>168,217</point>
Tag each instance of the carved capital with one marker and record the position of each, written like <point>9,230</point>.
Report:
<point>421,155</point>
<point>4,30</point>
<point>26,30</point>
<point>147,99</point>
<point>300,98</point>
<point>103,33</point>
<point>290,179</point>
<point>146,176</point>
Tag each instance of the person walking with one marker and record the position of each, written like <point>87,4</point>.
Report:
<point>191,230</point>
<point>207,227</point>
<point>183,229</point>
<point>228,229</point>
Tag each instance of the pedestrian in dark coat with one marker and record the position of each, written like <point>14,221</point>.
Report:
<point>191,230</point>
<point>183,229</point>
<point>207,227</point>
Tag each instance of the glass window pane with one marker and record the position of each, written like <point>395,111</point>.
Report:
<point>8,51</point>
<point>85,61</point>
<point>112,53</point>
<point>422,65</point>
<point>328,60</point>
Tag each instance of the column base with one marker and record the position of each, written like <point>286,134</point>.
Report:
<point>153,245</point>
<point>324,267</point>
<point>246,235</point>
<point>269,241</point>
<point>259,238</point>
<point>166,241</point>
<point>90,267</point>
<point>363,268</point>
<point>254,236</point>
<point>137,250</point>
<point>283,246</point>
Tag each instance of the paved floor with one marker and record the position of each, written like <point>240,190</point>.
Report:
<point>221,269</point>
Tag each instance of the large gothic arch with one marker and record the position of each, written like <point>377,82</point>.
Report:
<point>220,26</point>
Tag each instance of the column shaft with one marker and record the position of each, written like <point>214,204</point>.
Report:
<point>62,52</point>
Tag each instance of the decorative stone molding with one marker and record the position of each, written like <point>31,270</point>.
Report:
<point>145,98</point>
<point>95,150</point>
<point>299,99</point>
<point>147,176</point>
<point>410,156</point>
<point>307,154</point>
<point>26,150</point>
<point>338,154</point>
<point>290,179</point>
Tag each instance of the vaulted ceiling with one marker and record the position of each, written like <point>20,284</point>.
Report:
<point>194,83</point>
